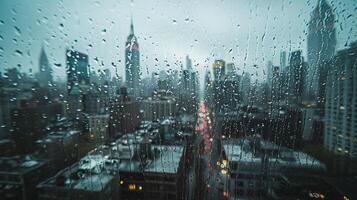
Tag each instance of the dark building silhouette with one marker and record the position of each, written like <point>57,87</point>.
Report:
<point>29,123</point>
<point>226,95</point>
<point>340,119</point>
<point>321,44</point>
<point>296,77</point>
<point>132,64</point>
<point>77,69</point>
<point>19,176</point>
<point>188,100</point>
<point>219,67</point>
<point>246,86</point>
<point>45,70</point>
<point>124,116</point>
<point>208,93</point>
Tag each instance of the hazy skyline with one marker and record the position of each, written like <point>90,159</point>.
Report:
<point>242,32</point>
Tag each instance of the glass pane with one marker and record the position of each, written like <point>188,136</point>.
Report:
<point>219,99</point>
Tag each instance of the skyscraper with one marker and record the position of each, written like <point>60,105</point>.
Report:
<point>282,59</point>
<point>189,89</point>
<point>132,64</point>
<point>269,72</point>
<point>188,63</point>
<point>219,69</point>
<point>341,106</point>
<point>45,71</point>
<point>296,73</point>
<point>246,87</point>
<point>77,69</point>
<point>208,88</point>
<point>321,44</point>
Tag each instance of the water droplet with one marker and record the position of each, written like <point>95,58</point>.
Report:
<point>18,52</point>
<point>13,11</point>
<point>17,30</point>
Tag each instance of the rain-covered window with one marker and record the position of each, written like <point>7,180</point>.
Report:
<point>178,100</point>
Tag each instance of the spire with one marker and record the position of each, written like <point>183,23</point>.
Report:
<point>131,27</point>
<point>322,6</point>
<point>43,56</point>
<point>42,49</point>
<point>322,2</point>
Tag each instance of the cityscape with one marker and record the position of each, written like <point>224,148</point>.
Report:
<point>245,118</point>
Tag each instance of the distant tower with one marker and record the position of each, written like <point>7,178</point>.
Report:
<point>296,72</point>
<point>77,69</point>
<point>208,88</point>
<point>341,106</point>
<point>188,63</point>
<point>246,87</point>
<point>282,60</point>
<point>132,64</point>
<point>269,73</point>
<point>321,44</point>
<point>219,70</point>
<point>45,71</point>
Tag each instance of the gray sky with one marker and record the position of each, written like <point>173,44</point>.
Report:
<point>245,32</point>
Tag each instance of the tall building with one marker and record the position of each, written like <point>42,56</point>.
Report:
<point>341,106</point>
<point>269,72</point>
<point>132,64</point>
<point>161,105</point>
<point>188,63</point>
<point>208,88</point>
<point>246,87</point>
<point>226,91</point>
<point>219,69</point>
<point>45,70</point>
<point>276,89</point>
<point>188,89</point>
<point>296,79</point>
<point>321,44</point>
<point>226,95</point>
<point>77,69</point>
<point>124,116</point>
<point>231,72</point>
<point>283,59</point>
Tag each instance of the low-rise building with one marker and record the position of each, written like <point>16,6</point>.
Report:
<point>254,163</point>
<point>129,168</point>
<point>19,176</point>
<point>86,179</point>
<point>98,127</point>
<point>158,108</point>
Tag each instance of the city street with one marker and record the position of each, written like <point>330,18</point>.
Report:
<point>211,185</point>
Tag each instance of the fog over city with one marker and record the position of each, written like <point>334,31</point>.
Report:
<point>178,100</point>
<point>243,32</point>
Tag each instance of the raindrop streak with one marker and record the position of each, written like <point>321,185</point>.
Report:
<point>18,52</point>
<point>17,30</point>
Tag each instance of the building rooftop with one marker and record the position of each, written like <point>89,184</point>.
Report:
<point>127,154</point>
<point>167,160</point>
<point>80,176</point>
<point>241,150</point>
<point>19,164</point>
